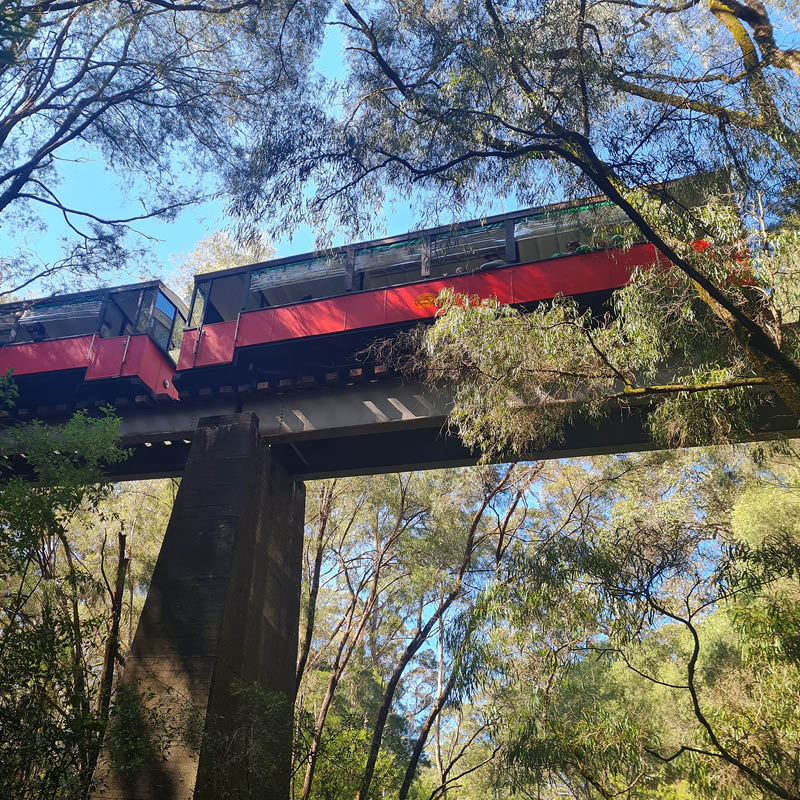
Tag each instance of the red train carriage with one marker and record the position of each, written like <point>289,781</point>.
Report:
<point>278,322</point>
<point>260,323</point>
<point>103,345</point>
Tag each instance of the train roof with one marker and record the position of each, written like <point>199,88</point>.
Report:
<point>554,208</point>
<point>579,204</point>
<point>100,292</point>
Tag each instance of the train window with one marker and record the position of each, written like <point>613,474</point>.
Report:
<point>468,249</point>
<point>146,311</point>
<point>608,221</point>
<point>296,281</point>
<point>541,237</point>
<point>564,232</point>
<point>225,298</point>
<point>177,336</point>
<point>217,300</point>
<point>199,303</point>
<point>388,264</point>
<point>120,313</point>
<point>8,319</point>
<point>163,316</point>
<point>158,316</point>
<point>56,319</point>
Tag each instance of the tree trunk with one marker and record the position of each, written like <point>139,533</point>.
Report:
<point>325,507</point>
<point>763,353</point>
<point>433,716</point>
<point>422,635</point>
<point>111,651</point>
<point>340,664</point>
<point>112,642</point>
<point>80,690</point>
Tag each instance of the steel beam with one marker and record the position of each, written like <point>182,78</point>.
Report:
<point>318,413</point>
<point>386,426</point>
<point>383,426</point>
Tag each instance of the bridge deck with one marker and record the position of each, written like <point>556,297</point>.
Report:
<point>385,426</point>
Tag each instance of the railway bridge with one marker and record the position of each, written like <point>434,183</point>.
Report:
<point>224,599</point>
<point>246,394</point>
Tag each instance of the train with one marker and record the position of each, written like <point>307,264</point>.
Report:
<point>302,320</point>
<point>93,348</point>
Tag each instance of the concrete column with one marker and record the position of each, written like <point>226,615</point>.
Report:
<point>204,705</point>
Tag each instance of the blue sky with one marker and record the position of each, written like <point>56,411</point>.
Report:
<point>88,184</point>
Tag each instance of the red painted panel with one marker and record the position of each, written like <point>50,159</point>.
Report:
<point>146,361</point>
<point>545,279</point>
<point>216,344</point>
<point>416,300</point>
<point>186,357</point>
<point>106,359</point>
<point>56,354</point>
<point>493,283</point>
<point>309,319</point>
<point>643,255</point>
<point>254,327</point>
<point>590,272</point>
<point>366,309</point>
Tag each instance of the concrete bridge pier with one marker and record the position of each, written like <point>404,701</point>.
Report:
<point>204,706</point>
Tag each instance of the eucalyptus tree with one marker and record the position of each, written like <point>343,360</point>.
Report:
<point>76,555</point>
<point>58,648</point>
<point>663,632</point>
<point>391,563</point>
<point>451,103</point>
<point>162,94</point>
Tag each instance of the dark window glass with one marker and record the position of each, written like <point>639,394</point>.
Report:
<point>225,299</point>
<point>146,311</point>
<point>163,315</point>
<point>388,264</point>
<point>468,249</point>
<point>569,231</point>
<point>542,237</point>
<point>7,321</point>
<point>177,337</point>
<point>165,306</point>
<point>120,313</point>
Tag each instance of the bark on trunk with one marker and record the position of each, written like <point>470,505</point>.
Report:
<point>111,651</point>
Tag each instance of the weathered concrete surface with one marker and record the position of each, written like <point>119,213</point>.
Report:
<point>221,615</point>
<point>388,426</point>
